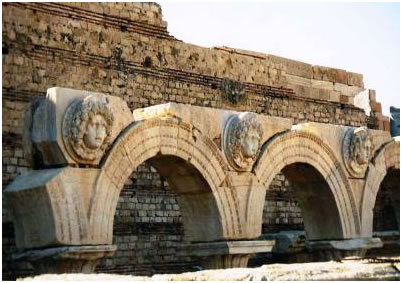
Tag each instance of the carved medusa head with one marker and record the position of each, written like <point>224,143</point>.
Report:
<point>90,127</point>
<point>357,150</point>
<point>243,137</point>
<point>361,147</point>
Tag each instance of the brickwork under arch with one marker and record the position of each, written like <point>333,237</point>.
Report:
<point>207,210</point>
<point>301,147</point>
<point>387,158</point>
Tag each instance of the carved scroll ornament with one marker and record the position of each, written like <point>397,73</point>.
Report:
<point>241,140</point>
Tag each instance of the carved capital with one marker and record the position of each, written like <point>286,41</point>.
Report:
<point>357,151</point>
<point>87,127</point>
<point>242,140</point>
<point>233,91</point>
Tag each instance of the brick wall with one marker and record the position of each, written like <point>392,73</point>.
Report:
<point>281,211</point>
<point>147,228</point>
<point>387,205</point>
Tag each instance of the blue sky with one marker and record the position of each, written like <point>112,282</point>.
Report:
<point>358,37</point>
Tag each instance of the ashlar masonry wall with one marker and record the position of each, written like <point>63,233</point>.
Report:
<point>124,49</point>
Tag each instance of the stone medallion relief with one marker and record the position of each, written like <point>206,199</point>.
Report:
<point>357,151</point>
<point>242,140</point>
<point>87,127</point>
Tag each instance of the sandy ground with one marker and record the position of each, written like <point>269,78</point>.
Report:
<point>379,269</point>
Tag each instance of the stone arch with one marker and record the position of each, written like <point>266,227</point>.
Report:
<point>388,157</point>
<point>205,208</point>
<point>295,148</point>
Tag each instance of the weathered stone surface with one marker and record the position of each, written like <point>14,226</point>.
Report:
<point>232,247</point>
<point>241,140</point>
<point>50,206</point>
<point>218,202</point>
<point>358,149</point>
<point>49,126</point>
<point>213,122</point>
<point>75,259</point>
<point>287,241</point>
<point>339,249</point>
<point>218,255</point>
<point>124,50</point>
<point>330,271</point>
<point>334,136</point>
<point>87,128</point>
<point>352,244</point>
<point>355,79</point>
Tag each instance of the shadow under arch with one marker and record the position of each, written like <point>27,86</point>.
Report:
<point>386,211</point>
<point>318,207</point>
<point>195,198</point>
<point>192,164</point>
<point>386,160</point>
<point>311,164</point>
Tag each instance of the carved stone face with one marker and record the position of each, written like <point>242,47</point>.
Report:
<point>87,128</point>
<point>357,151</point>
<point>95,132</point>
<point>241,140</point>
<point>250,143</point>
<point>362,148</point>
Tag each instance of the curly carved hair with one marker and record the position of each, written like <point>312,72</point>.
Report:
<point>86,110</point>
<point>246,122</point>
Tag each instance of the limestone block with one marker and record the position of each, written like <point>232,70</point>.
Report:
<point>209,121</point>
<point>210,124</point>
<point>293,67</point>
<point>358,189</point>
<point>50,207</point>
<point>355,79</point>
<point>250,196</point>
<point>347,90</point>
<point>343,99</point>
<point>71,259</point>
<point>322,84</point>
<point>372,94</point>
<point>227,254</point>
<point>48,120</point>
<point>336,76</point>
<point>388,237</point>
<point>341,76</point>
<point>273,125</point>
<point>229,247</point>
<point>334,136</point>
<point>292,79</point>
<point>322,73</point>
<point>287,241</point>
<point>350,244</point>
<point>300,90</point>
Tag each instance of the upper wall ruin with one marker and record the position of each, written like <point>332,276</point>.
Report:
<point>135,33</point>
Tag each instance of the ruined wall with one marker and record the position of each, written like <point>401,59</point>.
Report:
<point>124,49</point>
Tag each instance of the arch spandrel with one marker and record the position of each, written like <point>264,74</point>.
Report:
<point>298,146</point>
<point>386,158</point>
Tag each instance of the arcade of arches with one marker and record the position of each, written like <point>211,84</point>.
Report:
<point>174,157</point>
<point>217,169</point>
